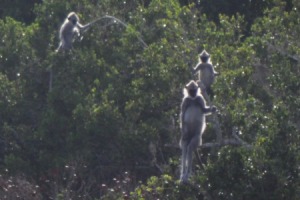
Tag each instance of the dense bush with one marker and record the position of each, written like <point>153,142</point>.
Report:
<point>107,126</point>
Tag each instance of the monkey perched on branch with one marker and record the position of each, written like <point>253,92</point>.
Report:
<point>72,27</point>
<point>69,28</point>
<point>192,124</point>
<point>206,73</point>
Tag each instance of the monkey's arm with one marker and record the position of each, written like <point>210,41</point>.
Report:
<point>197,68</point>
<point>208,75</point>
<point>76,30</point>
<point>83,28</point>
<point>183,109</point>
<point>215,72</point>
<point>211,70</point>
<point>206,109</point>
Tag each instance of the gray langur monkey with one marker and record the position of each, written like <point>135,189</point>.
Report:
<point>68,29</point>
<point>192,125</point>
<point>206,73</point>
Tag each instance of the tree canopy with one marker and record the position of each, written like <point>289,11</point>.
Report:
<point>106,124</point>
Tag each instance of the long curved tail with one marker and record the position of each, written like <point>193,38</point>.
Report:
<point>116,20</point>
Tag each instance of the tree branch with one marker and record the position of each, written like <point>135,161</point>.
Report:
<point>234,141</point>
<point>283,52</point>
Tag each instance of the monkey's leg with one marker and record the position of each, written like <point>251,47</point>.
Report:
<point>189,162</point>
<point>183,160</point>
<point>191,148</point>
<point>210,93</point>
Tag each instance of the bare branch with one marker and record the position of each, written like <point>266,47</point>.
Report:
<point>283,52</point>
<point>234,141</point>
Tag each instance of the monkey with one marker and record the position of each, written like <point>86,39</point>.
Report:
<point>192,125</point>
<point>68,29</point>
<point>71,27</point>
<point>206,73</point>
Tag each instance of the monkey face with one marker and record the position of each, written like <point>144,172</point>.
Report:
<point>72,17</point>
<point>73,20</point>
<point>204,59</point>
<point>193,92</point>
<point>192,88</point>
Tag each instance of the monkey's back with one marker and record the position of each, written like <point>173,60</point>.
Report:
<point>193,122</point>
<point>206,74</point>
<point>66,34</point>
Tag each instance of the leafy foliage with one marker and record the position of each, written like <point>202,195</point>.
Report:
<point>101,121</point>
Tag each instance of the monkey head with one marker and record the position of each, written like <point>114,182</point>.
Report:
<point>204,56</point>
<point>72,17</point>
<point>192,88</point>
